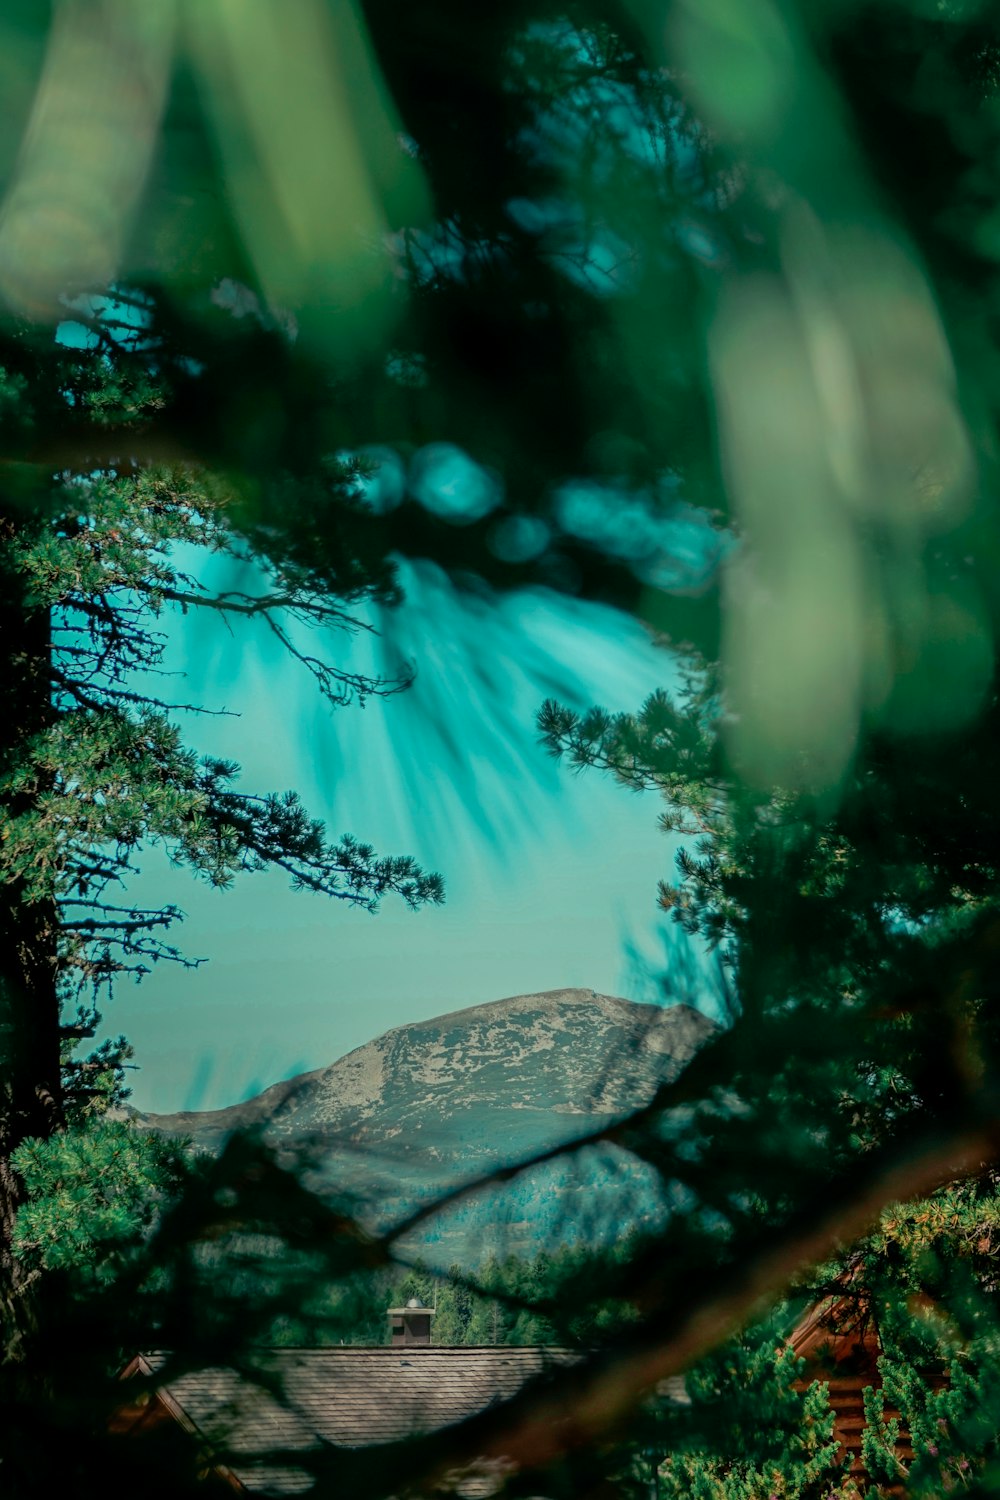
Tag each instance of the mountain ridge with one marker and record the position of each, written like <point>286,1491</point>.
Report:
<point>564,1053</point>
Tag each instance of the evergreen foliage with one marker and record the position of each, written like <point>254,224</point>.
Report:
<point>766,1437</point>
<point>510,1300</point>
<point>704,300</point>
<point>94,769</point>
<point>92,1195</point>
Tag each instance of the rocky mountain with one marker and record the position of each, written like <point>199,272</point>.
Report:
<point>437,1101</point>
<point>513,1070</point>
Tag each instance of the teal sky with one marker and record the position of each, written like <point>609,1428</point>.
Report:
<point>551,877</point>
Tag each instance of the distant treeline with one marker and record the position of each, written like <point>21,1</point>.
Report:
<point>541,1299</point>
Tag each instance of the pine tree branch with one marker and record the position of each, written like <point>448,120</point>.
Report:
<point>101,695</point>
<point>590,1403</point>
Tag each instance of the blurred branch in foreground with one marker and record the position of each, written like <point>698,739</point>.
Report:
<point>698,308</point>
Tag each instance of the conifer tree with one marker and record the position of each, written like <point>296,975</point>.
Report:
<point>766,1437</point>
<point>844,254</point>
<point>97,548</point>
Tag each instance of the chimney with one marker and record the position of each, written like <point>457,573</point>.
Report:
<point>410,1325</point>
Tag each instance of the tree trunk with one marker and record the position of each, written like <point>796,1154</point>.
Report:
<point>30,1091</point>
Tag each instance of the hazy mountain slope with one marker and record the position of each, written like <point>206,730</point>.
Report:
<point>477,1081</point>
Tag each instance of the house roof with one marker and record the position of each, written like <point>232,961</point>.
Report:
<point>348,1397</point>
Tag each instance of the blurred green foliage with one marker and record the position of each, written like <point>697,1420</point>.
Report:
<point>627,261</point>
<point>690,307</point>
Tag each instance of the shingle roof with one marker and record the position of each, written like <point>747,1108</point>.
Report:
<point>349,1397</point>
